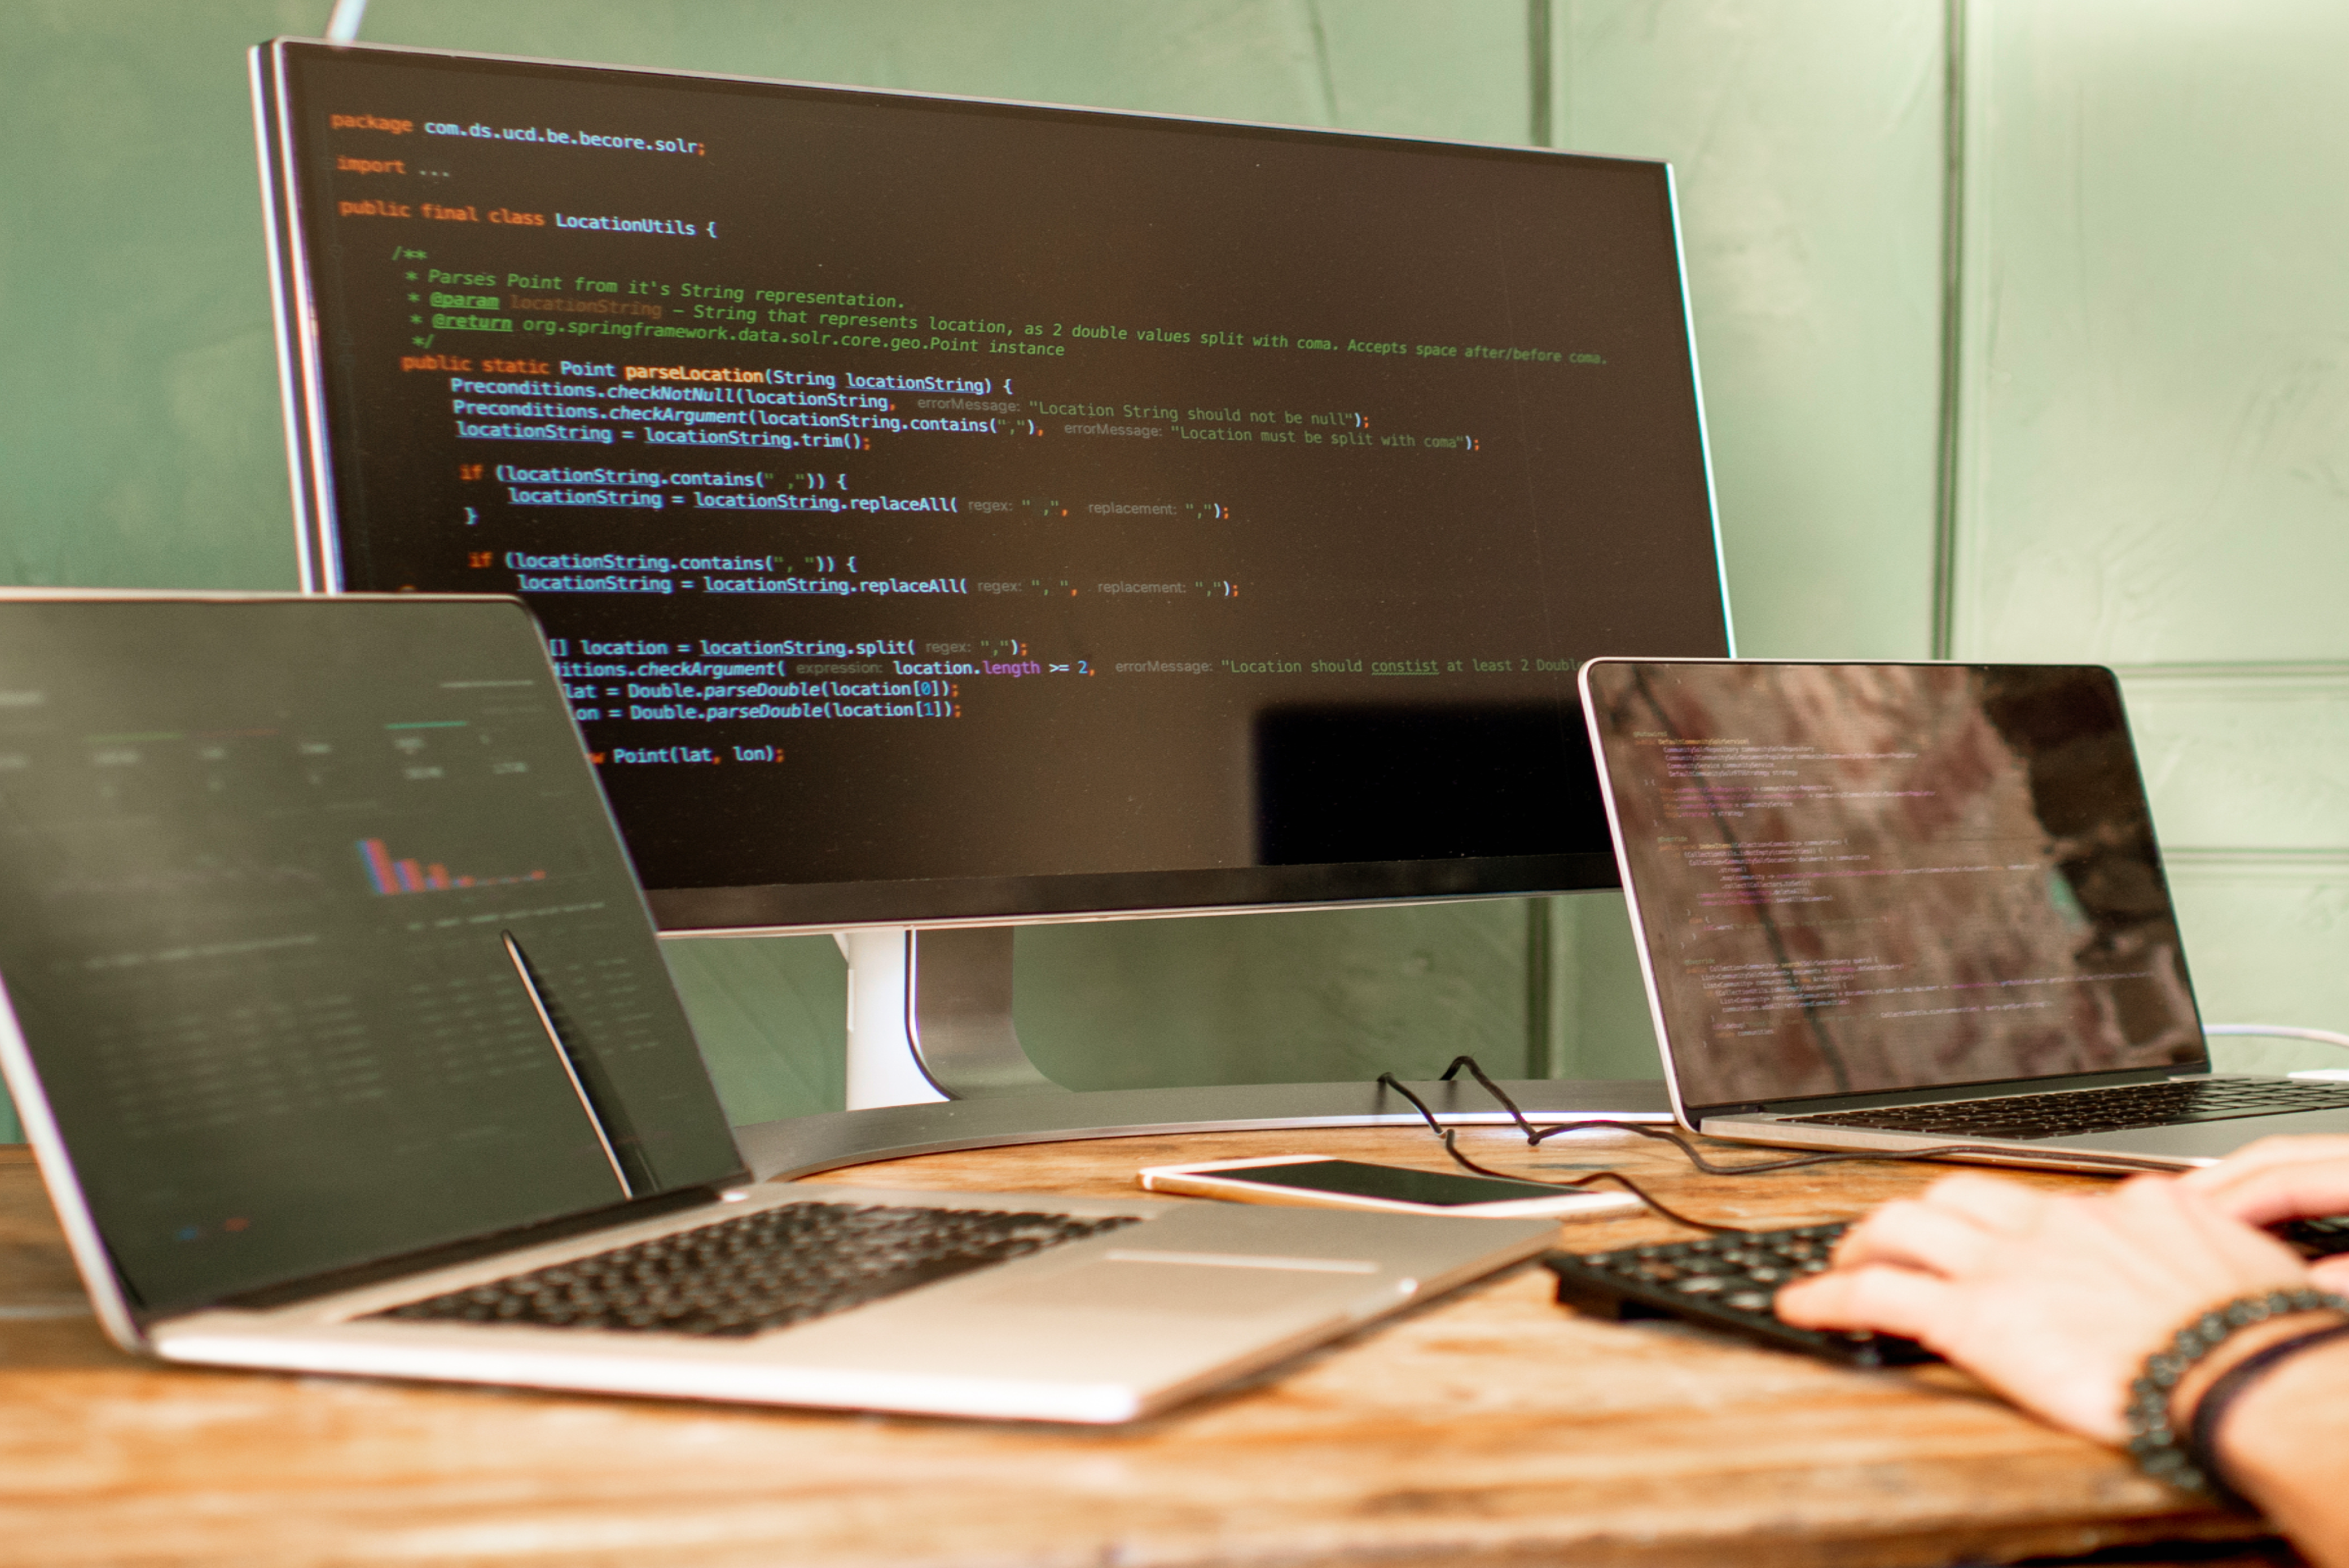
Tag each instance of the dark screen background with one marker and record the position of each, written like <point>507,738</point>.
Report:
<point>1856,878</point>
<point>1041,493</point>
<point>257,859</point>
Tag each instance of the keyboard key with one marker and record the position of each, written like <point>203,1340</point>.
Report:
<point>2322,1238</point>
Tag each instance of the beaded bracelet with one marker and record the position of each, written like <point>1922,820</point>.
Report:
<point>2153,1443</point>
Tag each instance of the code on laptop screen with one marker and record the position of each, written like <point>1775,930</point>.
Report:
<point>1867,876</point>
<point>258,864</point>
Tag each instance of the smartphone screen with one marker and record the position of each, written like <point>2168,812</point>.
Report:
<point>1439,1188</point>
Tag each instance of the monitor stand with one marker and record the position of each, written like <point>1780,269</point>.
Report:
<point>935,1064</point>
<point>929,1018</point>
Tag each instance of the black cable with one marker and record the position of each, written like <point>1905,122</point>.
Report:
<point>1534,1136</point>
<point>1670,1135</point>
<point>2119,1162</point>
<point>1448,1135</point>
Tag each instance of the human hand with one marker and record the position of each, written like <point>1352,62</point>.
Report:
<point>2052,1300</point>
<point>2280,1178</point>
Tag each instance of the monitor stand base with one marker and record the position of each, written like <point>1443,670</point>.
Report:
<point>802,1146</point>
<point>935,1064</point>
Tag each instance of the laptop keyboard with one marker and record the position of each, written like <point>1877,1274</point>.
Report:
<point>2071,1113</point>
<point>763,1270</point>
<point>1728,1282</point>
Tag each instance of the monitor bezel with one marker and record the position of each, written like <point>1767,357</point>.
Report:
<point>939,902</point>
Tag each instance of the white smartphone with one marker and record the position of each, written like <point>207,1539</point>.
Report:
<point>1317,1181</point>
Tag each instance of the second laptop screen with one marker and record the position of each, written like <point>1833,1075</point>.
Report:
<point>1861,876</point>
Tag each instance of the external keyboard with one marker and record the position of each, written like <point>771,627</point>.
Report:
<point>1729,1282</point>
<point>2072,1113</point>
<point>1724,1283</point>
<point>763,1270</point>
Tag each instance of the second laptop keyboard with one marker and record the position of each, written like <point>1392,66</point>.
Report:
<point>762,1271</point>
<point>2073,1113</point>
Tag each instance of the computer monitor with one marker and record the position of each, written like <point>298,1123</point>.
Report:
<point>948,514</point>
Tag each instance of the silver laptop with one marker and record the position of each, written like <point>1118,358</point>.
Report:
<point>1910,907</point>
<point>339,1025</point>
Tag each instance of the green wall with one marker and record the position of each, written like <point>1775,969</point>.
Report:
<point>1807,137</point>
<point>2100,416</point>
<point>2153,441</point>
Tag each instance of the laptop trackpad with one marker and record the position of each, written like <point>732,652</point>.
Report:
<point>2208,1140</point>
<point>1205,1285</point>
<point>1093,1319</point>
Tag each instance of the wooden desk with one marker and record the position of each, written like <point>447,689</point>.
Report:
<point>1490,1427</point>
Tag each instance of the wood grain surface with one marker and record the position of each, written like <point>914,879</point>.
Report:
<point>1490,1427</point>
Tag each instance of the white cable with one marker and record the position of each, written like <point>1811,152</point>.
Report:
<point>343,23</point>
<point>2280,1031</point>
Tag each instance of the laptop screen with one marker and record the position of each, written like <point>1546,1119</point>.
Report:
<point>1859,878</point>
<point>259,862</point>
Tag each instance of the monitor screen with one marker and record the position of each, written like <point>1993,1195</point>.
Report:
<point>944,509</point>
